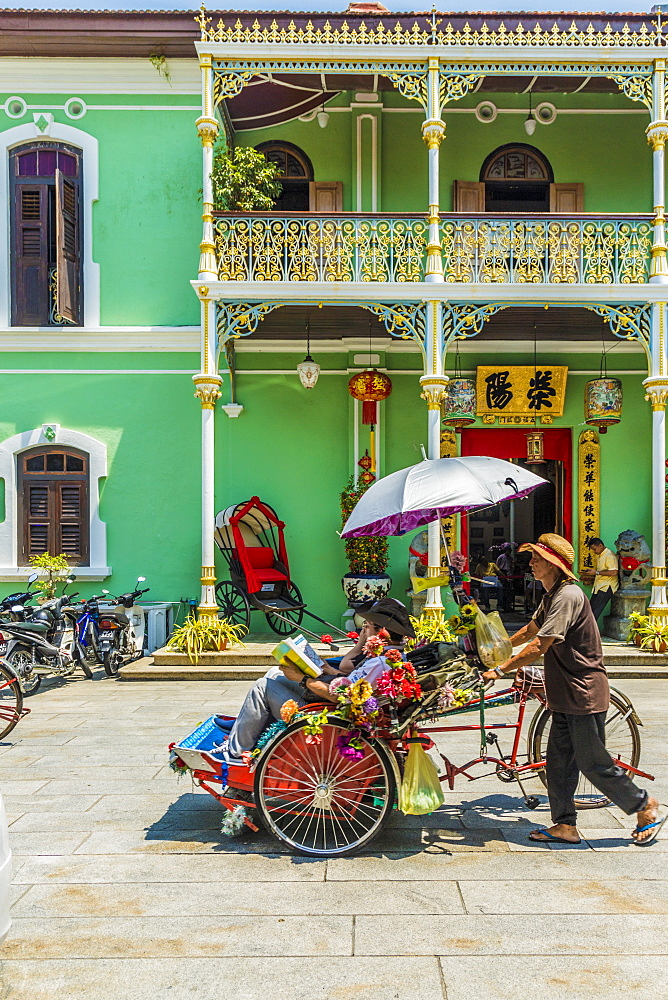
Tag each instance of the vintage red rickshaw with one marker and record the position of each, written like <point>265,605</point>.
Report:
<point>251,539</point>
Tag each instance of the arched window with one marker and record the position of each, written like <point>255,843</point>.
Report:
<point>295,173</point>
<point>517,178</point>
<point>53,500</point>
<point>46,240</point>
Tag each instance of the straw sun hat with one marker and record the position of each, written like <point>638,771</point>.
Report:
<point>556,550</point>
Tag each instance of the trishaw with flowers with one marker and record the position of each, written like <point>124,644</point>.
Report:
<point>325,779</point>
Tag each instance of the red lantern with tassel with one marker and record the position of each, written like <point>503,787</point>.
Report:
<point>370,387</point>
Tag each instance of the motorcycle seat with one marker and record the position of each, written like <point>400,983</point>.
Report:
<point>27,626</point>
<point>115,616</point>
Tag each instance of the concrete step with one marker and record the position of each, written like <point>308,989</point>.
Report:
<point>251,662</point>
<point>147,670</point>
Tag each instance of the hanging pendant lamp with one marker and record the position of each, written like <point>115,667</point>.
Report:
<point>308,370</point>
<point>530,121</point>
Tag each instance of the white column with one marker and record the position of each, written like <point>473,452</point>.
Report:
<point>207,381</point>
<point>207,128</point>
<point>433,382</point>
<point>656,388</point>
<point>207,390</point>
<point>656,385</point>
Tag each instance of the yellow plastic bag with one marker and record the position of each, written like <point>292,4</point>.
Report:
<point>421,790</point>
<point>494,646</point>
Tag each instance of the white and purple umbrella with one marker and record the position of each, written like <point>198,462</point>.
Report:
<point>436,488</point>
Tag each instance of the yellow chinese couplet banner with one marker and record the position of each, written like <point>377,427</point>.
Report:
<point>589,495</point>
<point>520,393</point>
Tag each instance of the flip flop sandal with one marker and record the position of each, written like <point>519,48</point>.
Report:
<point>550,836</point>
<point>654,827</point>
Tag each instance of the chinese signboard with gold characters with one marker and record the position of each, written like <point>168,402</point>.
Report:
<point>520,394</point>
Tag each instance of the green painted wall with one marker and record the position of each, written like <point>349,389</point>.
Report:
<point>147,221</point>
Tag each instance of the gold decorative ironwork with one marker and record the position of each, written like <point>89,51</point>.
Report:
<point>656,392</point>
<point>579,251</point>
<point>637,87</point>
<point>229,84</point>
<point>207,129</point>
<point>514,37</point>
<point>657,133</point>
<point>452,87</point>
<point>629,322</point>
<point>208,390</point>
<point>589,496</point>
<point>240,319</point>
<point>433,132</point>
<point>317,249</point>
<point>433,390</point>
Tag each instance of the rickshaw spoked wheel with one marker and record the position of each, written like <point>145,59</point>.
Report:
<point>233,603</point>
<point>319,802</point>
<point>295,615</point>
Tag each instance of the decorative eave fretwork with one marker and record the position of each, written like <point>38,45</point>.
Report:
<point>492,33</point>
<point>457,79</point>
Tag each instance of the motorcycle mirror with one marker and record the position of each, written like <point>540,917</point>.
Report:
<point>105,591</point>
<point>32,577</point>
<point>70,579</point>
<point>141,579</point>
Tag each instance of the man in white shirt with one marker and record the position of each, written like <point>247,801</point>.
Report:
<point>605,576</point>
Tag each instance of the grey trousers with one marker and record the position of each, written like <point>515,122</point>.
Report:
<point>261,707</point>
<point>576,745</point>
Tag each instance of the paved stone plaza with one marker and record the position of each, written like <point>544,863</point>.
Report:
<point>124,886</point>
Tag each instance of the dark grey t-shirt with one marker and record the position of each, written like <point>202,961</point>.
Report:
<point>575,677</point>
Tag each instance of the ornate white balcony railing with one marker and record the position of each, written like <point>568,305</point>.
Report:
<point>562,250</point>
<point>315,248</point>
<point>484,249</point>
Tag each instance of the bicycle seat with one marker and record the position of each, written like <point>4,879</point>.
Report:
<point>531,680</point>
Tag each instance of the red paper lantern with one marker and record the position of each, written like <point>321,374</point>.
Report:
<point>370,386</point>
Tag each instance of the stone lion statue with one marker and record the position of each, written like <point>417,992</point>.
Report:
<point>634,560</point>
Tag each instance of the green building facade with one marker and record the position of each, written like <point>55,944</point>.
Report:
<point>435,235</point>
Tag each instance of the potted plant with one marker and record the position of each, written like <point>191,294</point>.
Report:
<point>53,570</point>
<point>636,623</point>
<point>367,556</point>
<point>654,636</point>
<point>243,180</point>
<point>205,635</point>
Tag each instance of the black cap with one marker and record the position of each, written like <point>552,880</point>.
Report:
<point>390,614</point>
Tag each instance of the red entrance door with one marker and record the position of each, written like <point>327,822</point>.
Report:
<point>512,443</point>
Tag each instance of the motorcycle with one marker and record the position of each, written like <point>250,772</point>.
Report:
<point>120,638</point>
<point>36,644</point>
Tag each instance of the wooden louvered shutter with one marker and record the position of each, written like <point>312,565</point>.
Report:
<point>38,519</point>
<point>30,252</point>
<point>53,504</point>
<point>67,248</point>
<point>71,520</point>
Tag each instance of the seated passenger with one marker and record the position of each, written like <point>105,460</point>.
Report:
<point>263,702</point>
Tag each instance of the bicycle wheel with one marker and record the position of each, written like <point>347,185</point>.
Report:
<point>294,615</point>
<point>233,604</point>
<point>11,701</point>
<point>622,740</point>
<point>320,803</point>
